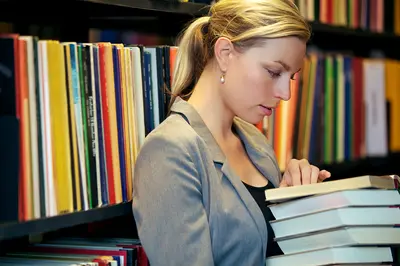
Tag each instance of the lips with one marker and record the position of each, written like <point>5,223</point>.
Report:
<point>266,110</point>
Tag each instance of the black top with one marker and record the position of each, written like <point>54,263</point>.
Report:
<point>258,194</point>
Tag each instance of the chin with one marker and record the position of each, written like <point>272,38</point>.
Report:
<point>251,118</point>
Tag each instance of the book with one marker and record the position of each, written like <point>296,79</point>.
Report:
<point>361,182</point>
<point>343,222</point>
<point>335,200</point>
<point>335,256</point>
<point>332,219</point>
<point>80,251</point>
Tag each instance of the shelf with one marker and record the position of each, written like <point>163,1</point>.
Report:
<point>346,31</point>
<point>115,11</point>
<point>366,166</point>
<point>164,6</point>
<point>15,230</point>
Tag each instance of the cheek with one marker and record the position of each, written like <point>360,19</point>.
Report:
<point>248,84</point>
<point>259,84</point>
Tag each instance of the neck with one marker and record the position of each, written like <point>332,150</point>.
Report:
<point>210,106</point>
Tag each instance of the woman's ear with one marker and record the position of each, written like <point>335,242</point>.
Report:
<point>223,50</point>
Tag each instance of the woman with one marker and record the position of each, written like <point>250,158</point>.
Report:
<point>197,175</point>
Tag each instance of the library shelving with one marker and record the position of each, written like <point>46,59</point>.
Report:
<point>172,7</point>
<point>76,20</point>
<point>43,225</point>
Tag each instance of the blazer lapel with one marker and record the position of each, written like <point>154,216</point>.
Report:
<point>193,118</point>
<point>261,155</point>
<point>248,201</point>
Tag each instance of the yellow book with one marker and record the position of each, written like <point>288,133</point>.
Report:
<point>392,75</point>
<point>132,117</point>
<point>60,128</point>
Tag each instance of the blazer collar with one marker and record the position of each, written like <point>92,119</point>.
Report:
<point>262,156</point>
<point>258,153</point>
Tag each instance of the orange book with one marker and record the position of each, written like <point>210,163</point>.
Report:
<point>110,121</point>
<point>172,59</point>
<point>26,176</point>
<point>106,123</point>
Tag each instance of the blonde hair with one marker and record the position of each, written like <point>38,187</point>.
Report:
<point>244,22</point>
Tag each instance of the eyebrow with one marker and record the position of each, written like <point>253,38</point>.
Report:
<point>283,64</point>
<point>286,66</point>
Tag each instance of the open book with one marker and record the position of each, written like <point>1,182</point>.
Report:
<point>362,182</point>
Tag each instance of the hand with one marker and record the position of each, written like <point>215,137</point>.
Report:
<point>301,172</point>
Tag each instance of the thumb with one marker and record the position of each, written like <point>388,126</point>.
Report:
<point>283,183</point>
<point>323,175</point>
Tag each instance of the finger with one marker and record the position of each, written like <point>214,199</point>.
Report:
<point>323,175</point>
<point>287,179</point>
<point>314,174</point>
<point>295,173</point>
<point>283,182</point>
<point>305,172</point>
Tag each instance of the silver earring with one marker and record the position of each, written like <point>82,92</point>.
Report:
<point>222,78</point>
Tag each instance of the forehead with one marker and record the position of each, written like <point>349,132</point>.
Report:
<point>289,50</point>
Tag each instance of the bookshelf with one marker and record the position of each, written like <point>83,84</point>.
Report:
<point>365,166</point>
<point>169,7</point>
<point>350,32</point>
<point>15,230</point>
<point>166,18</point>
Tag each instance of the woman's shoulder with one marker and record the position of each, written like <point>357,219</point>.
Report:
<point>174,134</point>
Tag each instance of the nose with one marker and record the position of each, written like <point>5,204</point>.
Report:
<point>283,91</point>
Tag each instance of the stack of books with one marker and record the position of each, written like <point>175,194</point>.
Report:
<point>345,222</point>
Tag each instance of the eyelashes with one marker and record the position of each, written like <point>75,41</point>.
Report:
<point>275,75</point>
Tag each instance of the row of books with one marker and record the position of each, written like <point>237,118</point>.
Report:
<point>373,15</point>
<point>352,221</point>
<point>79,251</point>
<point>342,108</point>
<point>83,112</point>
<point>84,109</point>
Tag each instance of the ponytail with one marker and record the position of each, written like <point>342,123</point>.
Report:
<point>245,23</point>
<point>190,60</point>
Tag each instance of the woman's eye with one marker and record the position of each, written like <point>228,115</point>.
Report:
<point>274,74</point>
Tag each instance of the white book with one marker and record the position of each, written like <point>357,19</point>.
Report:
<point>50,196</point>
<point>338,199</point>
<point>351,236</point>
<point>95,137</point>
<point>138,92</point>
<point>330,256</point>
<point>336,218</point>
<point>360,182</point>
<point>375,107</point>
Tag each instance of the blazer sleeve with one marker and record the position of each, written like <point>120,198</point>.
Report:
<point>167,205</point>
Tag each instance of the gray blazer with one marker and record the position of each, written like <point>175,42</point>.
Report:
<point>189,206</point>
